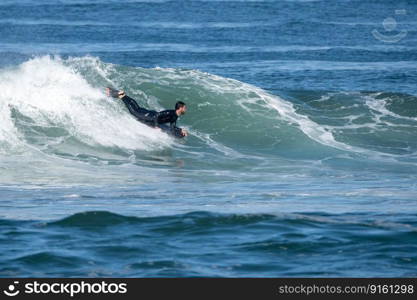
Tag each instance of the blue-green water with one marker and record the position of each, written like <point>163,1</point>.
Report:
<point>301,159</point>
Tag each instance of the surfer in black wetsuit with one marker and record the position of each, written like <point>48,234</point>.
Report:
<point>151,117</point>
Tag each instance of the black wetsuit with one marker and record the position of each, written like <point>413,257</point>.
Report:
<point>151,117</point>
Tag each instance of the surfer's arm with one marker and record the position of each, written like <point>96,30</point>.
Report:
<point>177,130</point>
<point>166,116</point>
<point>174,128</point>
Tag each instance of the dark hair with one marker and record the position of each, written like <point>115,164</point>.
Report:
<point>179,104</point>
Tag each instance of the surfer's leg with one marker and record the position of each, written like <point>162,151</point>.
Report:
<point>133,107</point>
<point>140,113</point>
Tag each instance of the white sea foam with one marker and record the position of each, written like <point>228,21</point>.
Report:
<point>380,106</point>
<point>50,93</point>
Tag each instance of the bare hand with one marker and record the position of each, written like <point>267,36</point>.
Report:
<point>184,132</point>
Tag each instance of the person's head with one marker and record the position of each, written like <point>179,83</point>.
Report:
<point>180,108</point>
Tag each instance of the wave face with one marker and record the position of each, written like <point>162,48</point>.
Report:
<point>54,112</point>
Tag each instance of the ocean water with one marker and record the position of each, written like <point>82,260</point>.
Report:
<point>301,158</point>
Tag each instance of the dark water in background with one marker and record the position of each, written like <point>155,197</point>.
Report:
<point>301,159</point>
